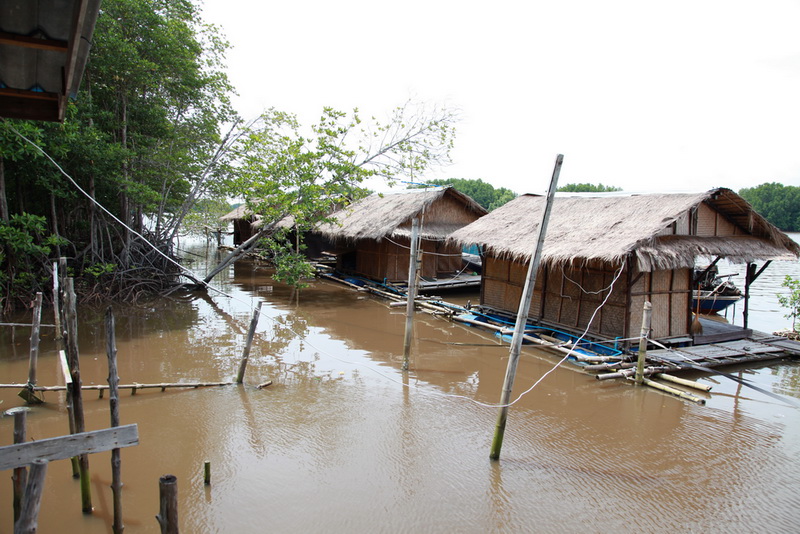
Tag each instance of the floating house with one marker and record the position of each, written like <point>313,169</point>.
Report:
<point>621,250</point>
<point>372,237</point>
<point>245,223</point>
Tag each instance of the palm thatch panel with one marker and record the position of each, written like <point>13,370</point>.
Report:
<point>441,211</point>
<point>609,228</point>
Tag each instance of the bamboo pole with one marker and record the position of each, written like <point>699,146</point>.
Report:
<point>33,360</point>
<point>100,387</point>
<point>71,320</point>
<point>643,334</point>
<point>19,476</point>
<point>59,284</point>
<point>57,309</point>
<point>522,315</point>
<point>411,294</point>
<point>29,514</point>
<point>673,391</point>
<point>168,504</point>
<point>250,334</point>
<point>113,401</point>
<point>684,382</point>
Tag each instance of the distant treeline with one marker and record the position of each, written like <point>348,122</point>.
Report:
<point>492,198</point>
<point>484,194</point>
<point>779,204</point>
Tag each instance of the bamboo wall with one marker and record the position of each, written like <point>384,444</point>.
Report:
<point>388,260</point>
<point>568,296</point>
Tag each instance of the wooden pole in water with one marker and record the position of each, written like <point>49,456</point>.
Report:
<point>27,393</point>
<point>20,474</point>
<point>647,314</point>
<point>207,473</point>
<point>57,308</point>
<point>522,315</point>
<point>168,510</point>
<point>29,515</point>
<point>411,294</point>
<point>59,281</point>
<point>35,327</point>
<point>113,401</point>
<point>250,334</point>
<point>71,322</point>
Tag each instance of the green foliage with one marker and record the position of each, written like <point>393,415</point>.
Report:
<point>205,214</point>
<point>99,269</point>
<point>792,300</point>
<point>24,248</point>
<point>291,266</point>
<point>300,178</point>
<point>779,204</point>
<point>588,188</point>
<point>481,192</point>
<point>143,138</point>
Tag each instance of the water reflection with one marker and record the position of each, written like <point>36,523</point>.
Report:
<point>343,441</point>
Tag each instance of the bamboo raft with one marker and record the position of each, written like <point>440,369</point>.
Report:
<point>133,387</point>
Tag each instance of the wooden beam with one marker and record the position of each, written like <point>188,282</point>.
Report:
<point>63,447</point>
<point>52,45</point>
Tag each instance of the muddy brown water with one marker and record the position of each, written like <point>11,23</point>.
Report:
<point>344,442</point>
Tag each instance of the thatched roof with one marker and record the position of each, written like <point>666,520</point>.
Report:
<point>256,221</point>
<point>383,215</point>
<point>239,212</point>
<point>609,228</point>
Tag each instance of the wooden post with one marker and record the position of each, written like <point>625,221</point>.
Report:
<point>20,474</point>
<point>36,323</point>
<point>411,294</point>
<point>647,314</point>
<point>57,309</point>
<point>250,334</point>
<point>29,515</point>
<point>35,327</point>
<point>750,275</point>
<point>168,513</point>
<point>207,473</point>
<point>71,323</point>
<point>522,315</point>
<point>59,281</point>
<point>113,401</point>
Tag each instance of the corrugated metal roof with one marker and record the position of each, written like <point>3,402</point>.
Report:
<point>44,46</point>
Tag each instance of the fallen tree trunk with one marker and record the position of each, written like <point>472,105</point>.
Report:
<point>237,252</point>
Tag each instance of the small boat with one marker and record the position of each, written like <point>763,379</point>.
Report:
<point>581,350</point>
<point>716,292</point>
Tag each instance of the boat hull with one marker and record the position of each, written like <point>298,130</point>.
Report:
<point>713,303</point>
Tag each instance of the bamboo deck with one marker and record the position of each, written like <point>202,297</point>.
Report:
<point>723,353</point>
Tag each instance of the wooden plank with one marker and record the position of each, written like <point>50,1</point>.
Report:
<point>24,41</point>
<point>62,358</point>
<point>63,447</point>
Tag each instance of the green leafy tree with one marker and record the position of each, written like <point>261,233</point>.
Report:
<point>481,192</point>
<point>792,300</point>
<point>25,246</point>
<point>777,203</point>
<point>297,179</point>
<point>588,188</point>
<point>145,140</point>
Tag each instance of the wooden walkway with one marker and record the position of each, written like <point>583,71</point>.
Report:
<point>723,353</point>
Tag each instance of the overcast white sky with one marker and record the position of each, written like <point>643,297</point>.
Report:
<point>683,95</point>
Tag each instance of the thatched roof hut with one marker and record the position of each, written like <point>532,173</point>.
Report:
<point>609,228</point>
<point>374,233</point>
<point>246,223</point>
<point>654,238</point>
<point>388,215</point>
